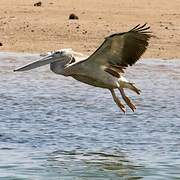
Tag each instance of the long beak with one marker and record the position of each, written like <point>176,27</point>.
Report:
<point>41,62</point>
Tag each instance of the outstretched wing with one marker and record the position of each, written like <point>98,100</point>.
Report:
<point>122,49</point>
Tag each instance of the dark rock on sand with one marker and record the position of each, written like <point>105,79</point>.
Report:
<point>73,16</point>
<point>38,3</point>
<point>1,44</point>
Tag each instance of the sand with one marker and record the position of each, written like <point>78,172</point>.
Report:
<point>28,28</point>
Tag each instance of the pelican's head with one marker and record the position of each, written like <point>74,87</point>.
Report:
<point>57,60</point>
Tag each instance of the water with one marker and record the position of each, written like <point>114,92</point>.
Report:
<point>53,127</point>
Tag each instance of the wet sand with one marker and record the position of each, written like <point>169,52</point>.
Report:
<point>28,28</point>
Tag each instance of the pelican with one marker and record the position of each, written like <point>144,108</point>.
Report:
<point>106,66</point>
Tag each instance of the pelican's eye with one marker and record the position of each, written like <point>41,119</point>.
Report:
<point>58,52</point>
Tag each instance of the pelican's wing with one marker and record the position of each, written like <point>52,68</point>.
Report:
<point>122,49</point>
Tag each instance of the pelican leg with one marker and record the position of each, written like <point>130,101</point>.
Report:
<point>127,99</point>
<point>117,101</point>
<point>134,88</point>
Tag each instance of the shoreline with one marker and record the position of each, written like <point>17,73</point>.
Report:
<point>30,29</point>
<point>15,53</point>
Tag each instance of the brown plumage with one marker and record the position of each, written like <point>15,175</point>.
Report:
<point>123,49</point>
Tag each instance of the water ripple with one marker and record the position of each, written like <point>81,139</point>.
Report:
<point>54,127</point>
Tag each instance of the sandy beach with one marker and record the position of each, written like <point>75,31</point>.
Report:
<point>28,28</point>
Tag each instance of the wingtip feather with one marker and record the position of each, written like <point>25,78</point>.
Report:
<point>139,28</point>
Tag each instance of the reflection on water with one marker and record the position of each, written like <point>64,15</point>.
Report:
<point>94,164</point>
<point>53,127</point>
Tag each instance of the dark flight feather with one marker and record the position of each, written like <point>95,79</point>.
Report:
<point>123,49</point>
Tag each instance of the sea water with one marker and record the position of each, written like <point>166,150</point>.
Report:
<point>54,127</point>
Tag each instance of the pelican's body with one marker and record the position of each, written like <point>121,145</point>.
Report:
<point>105,67</point>
<point>98,77</point>
<point>90,74</point>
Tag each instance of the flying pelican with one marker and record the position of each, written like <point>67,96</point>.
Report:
<point>105,67</point>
